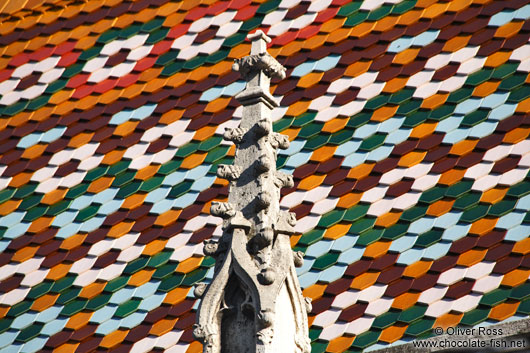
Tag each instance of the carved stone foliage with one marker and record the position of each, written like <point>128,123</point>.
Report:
<point>254,302</point>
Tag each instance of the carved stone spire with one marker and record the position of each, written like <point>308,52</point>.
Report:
<point>254,303</point>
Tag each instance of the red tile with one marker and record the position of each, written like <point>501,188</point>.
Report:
<point>246,13</point>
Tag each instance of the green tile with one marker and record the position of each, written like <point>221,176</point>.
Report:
<point>89,53</point>
<point>403,7</point>
<point>39,290</point>
<point>210,143</point>
<point>377,102</point>
<point>442,112</point>
<point>157,36</point>
<point>62,284</point>
<point>331,218</point>
<point>76,191</point>
<point>96,173</point>
<point>432,195</point>
<point>216,154</point>
<point>180,189</point>
<point>403,96</point>
<point>118,167</point>
<point>521,292</point>
<point>358,120</point>
<point>30,202</point>
<point>187,149</point>
<point>413,213</point>
<point>29,332</point>
<point>366,339</point>
<point>129,189</point>
<point>519,94</point>
<point>342,136</point>
<point>349,8</point>
<point>314,333</point>
<point>109,35</point>
<point>194,277</point>
<point>282,124</point>
<point>524,307</point>
<point>153,25</point>
<point>172,68</point>
<point>362,225</point>
<point>169,167</point>
<point>467,200</point>
<point>35,213</point>
<point>372,142</point>
<point>310,130</point>
<point>505,70</point>
<point>152,183</point>
<point>413,313</point>
<point>74,307</point>
<point>369,237</point>
<point>7,194</point>
<point>475,118</point>
<point>98,302</point>
<point>38,102</point>
<point>379,13</point>
<point>317,141</point>
<point>87,213</point>
<point>476,316</point>
<point>304,119</point>
<point>73,69</point>
<point>15,108</point>
<point>312,236</point>
<point>136,265</point>
<point>5,324</point>
<point>127,308</point>
<point>475,213</point>
<point>116,284</point>
<point>325,261</point>
<point>386,320</point>
<point>59,207</point>
<point>513,82</point>
<point>252,23</point>
<point>165,270</point>
<point>396,231</point>
<point>458,189</point>
<point>355,19</point>
<point>234,40</point>
<point>429,238</point>
<point>519,190</point>
<point>460,95</point>
<point>495,297</point>
<point>416,118</point>
<point>409,107</point>
<point>268,6</point>
<point>319,346</point>
<point>502,207</point>
<point>130,30</point>
<point>159,259</point>
<point>420,327</point>
<point>68,295</point>
<point>23,191</point>
<point>479,77</point>
<point>19,308</point>
<point>123,178</point>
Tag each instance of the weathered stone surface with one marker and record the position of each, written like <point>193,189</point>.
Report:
<point>254,303</point>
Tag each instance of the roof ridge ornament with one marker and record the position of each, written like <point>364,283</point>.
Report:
<point>254,302</point>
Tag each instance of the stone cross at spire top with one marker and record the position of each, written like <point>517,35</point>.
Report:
<point>254,303</point>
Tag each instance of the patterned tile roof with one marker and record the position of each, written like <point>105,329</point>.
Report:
<point>409,123</point>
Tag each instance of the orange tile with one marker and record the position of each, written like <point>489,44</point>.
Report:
<point>34,151</point>
<point>312,43</point>
<point>189,264</point>
<point>503,311</point>
<point>20,179</point>
<point>323,153</point>
<point>310,79</point>
<point>377,249</point>
<point>423,4</point>
<point>388,219</point>
<point>114,338</point>
<point>411,159</point>
<point>311,182</point>
<point>440,207</point>
<point>67,348</point>
<point>522,247</point>
<point>471,257</point>
<point>294,239</point>
<point>393,333</point>
<point>486,88</point>
<point>193,160</point>
<point>509,29</point>
<point>171,116</point>
<point>3,311</point>
<point>239,51</point>
<point>358,68</point>
<point>9,206</point>
<point>361,171</point>
<point>515,278</point>
<point>113,157</point>
<point>435,10</point>
<point>73,241</point>
<point>291,132</point>
<point>483,226</point>
<point>406,56</point>
<point>350,199</point>
<point>405,300</point>
<point>457,6</point>
<point>133,201</point>
<point>298,108</point>
<point>386,23</point>
<point>434,101</point>
<point>120,229</point>
<point>141,277</point>
<point>315,291</point>
<point>456,43</point>
<point>291,48</point>
<point>336,231</point>
<point>154,247</point>
<point>497,59</point>
<point>163,326</point>
<point>54,196</point>
<point>176,295</point>
<point>463,147</point>
<point>493,195</point>
<point>58,271</point>
<point>409,17</point>
<point>147,172</point>
<point>332,25</point>
<point>417,269</point>
<point>80,140</point>
<point>217,105</point>
<point>92,290</point>
<point>25,253</point>
<point>335,125</point>
<point>516,135</point>
<point>524,106</point>
<point>338,35</point>
<point>423,130</point>
<point>452,176</point>
<point>448,320</point>
<point>126,128</point>
<point>79,320</point>
<point>384,113</point>
<point>42,303</point>
<point>364,280</point>
<point>395,84</point>
<point>340,344</point>
<point>100,184</point>
<point>362,29</point>
<point>168,217</point>
<point>194,347</point>
<point>40,224</point>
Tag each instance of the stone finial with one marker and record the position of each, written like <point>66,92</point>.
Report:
<point>254,302</point>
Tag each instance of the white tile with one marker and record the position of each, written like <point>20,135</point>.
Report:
<point>480,270</point>
<point>465,54</point>
<point>33,91</point>
<point>24,70</point>
<point>466,303</point>
<point>274,17</point>
<point>139,53</point>
<point>345,299</point>
<point>319,5</point>
<point>228,29</point>
<point>392,176</point>
<point>360,325</point>
<point>34,278</point>
<point>223,17</point>
<point>497,153</point>
<point>327,318</point>
<point>200,25</point>
<point>135,41</point>
<point>380,207</point>
<point>453,83</point>
<point>426,90</point>
<point>10,98</point>
<point>418,170</point>
<point>370,91</point>
<point>101,247</point>
<point>169,339</point>
<point>340,85</point>
<point>131,253</point>
<point>374,194</point>
<point>471,66</point>
<point>293,199</point>
<point>8,85</point>
<point>406,200</point>
<point>86,278</point>
<point>478,170</point>
<point>420,78</point>
<point>51,75</point>
<point>122,69</point>
<point>44,174</point>
<point>513,176</point>
<point>99,75</point>
<point>439,308</point>
<point>83,264</point>
<point>486,182</point>
<point>372,293</point>
<point>184,41</point>
<point>303,21</point>
<point>306,223</point>
<point>432,295</point>
<point>333,331</point>
<point>112,48</point>
<point>112,271</point>
<point>379,306</point>
<point>452,276</point>
<point>317,194</point>
<point>95,64</point>
<point>488,283</point>
<point>325,205</point>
